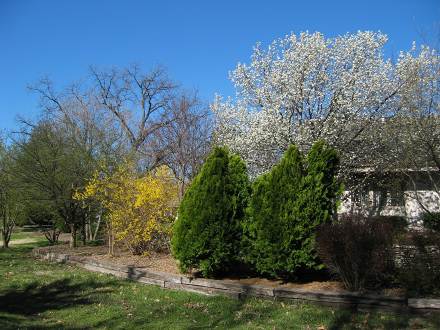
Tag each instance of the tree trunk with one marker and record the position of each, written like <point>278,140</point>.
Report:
<point>72,236</point>
<point>8,227</point>
<point>84,231</point>
<point>97,226</point>
<point>110,240</point>
<point>5,239</point>
<point>5,244</point>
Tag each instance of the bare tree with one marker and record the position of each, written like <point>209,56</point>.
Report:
<point>139,102</point>
<point>76,112</point>
<point>186,137</point>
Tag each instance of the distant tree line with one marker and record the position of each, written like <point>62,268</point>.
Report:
<point>88,130</point>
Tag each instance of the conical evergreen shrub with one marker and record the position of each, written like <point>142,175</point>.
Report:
<point>317,200</point>
<point>208,230</point>
<point>321,187</point>
<point>286,207</point>
<point>272,213</point>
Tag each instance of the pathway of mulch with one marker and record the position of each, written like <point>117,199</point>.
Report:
<point>166,263</point>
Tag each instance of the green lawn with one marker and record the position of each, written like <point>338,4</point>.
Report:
<point>19,234</point>
<point>24,234</point>
<point>42,295</point>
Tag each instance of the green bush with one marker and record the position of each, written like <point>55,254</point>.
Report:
<point>431,220</point>
<point>286,207</point>
<point>207,233</point>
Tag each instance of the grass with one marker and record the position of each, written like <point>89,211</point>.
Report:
<point>24,235</point>
<point>36,294</point>
<point>18,233</point>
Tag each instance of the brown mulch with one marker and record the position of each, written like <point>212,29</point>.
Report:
<point>314,285</point>
<point>166,263</point>
<point>157,261</point>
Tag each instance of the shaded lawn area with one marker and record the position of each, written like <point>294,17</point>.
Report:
<point>19,234</point>
<point>36,294</point>
<point>25,237</point>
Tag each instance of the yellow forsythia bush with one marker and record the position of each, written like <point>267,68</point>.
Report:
<point>140,209</point>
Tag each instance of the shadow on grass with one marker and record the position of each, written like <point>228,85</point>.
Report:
<point>18,305</point>
<point>349,318</point>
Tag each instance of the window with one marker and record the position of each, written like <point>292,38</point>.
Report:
<point>395,198</point>
<point>360,197</point>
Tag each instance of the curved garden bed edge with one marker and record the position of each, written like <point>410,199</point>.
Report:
<point>237,290</point>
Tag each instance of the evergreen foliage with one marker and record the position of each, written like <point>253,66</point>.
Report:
<point>431,220</point>
<point>207,233</point>
<point>286,207</point>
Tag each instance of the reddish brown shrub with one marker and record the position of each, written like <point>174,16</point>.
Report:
<point>358,249</point>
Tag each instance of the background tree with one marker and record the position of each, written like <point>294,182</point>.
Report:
<point>415,132</point>
<point>44,215</point>
<point>10,205</point>
<point>50,169</point>
<point>207,232</point>
<point>306,87</point>
<point>126,113</point>
<point>139,102</point>
<point>76,112</point>
<point>119,113</point>
<point>187,137</point>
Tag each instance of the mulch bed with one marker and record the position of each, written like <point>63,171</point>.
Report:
<point>122,257</point>
<point>166,263</point>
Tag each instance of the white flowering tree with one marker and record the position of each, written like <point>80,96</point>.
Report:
<point>307,87</point>
<point>415,133</point>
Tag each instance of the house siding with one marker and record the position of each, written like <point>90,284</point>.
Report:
<point>415,203</point>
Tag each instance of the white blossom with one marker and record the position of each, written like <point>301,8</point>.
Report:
<point>307,87</point>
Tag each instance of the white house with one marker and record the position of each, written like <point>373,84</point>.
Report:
<point>407,194</point>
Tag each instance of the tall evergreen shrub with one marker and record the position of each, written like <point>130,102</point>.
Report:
<point>321,187</point>
<point>286,207</point>
<point>208,230</point>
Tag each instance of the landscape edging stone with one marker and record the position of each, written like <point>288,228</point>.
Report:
<point>237,290</point>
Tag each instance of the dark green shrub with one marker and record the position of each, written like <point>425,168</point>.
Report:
<point>207,233</point>
<point>320,188</point>
<point>286,207</point>
<point>431,220</point>
<point>358,250</point>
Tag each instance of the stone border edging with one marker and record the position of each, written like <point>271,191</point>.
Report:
<point>237,290</point>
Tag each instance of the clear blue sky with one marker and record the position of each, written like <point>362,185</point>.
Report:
<point>198,41</point>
